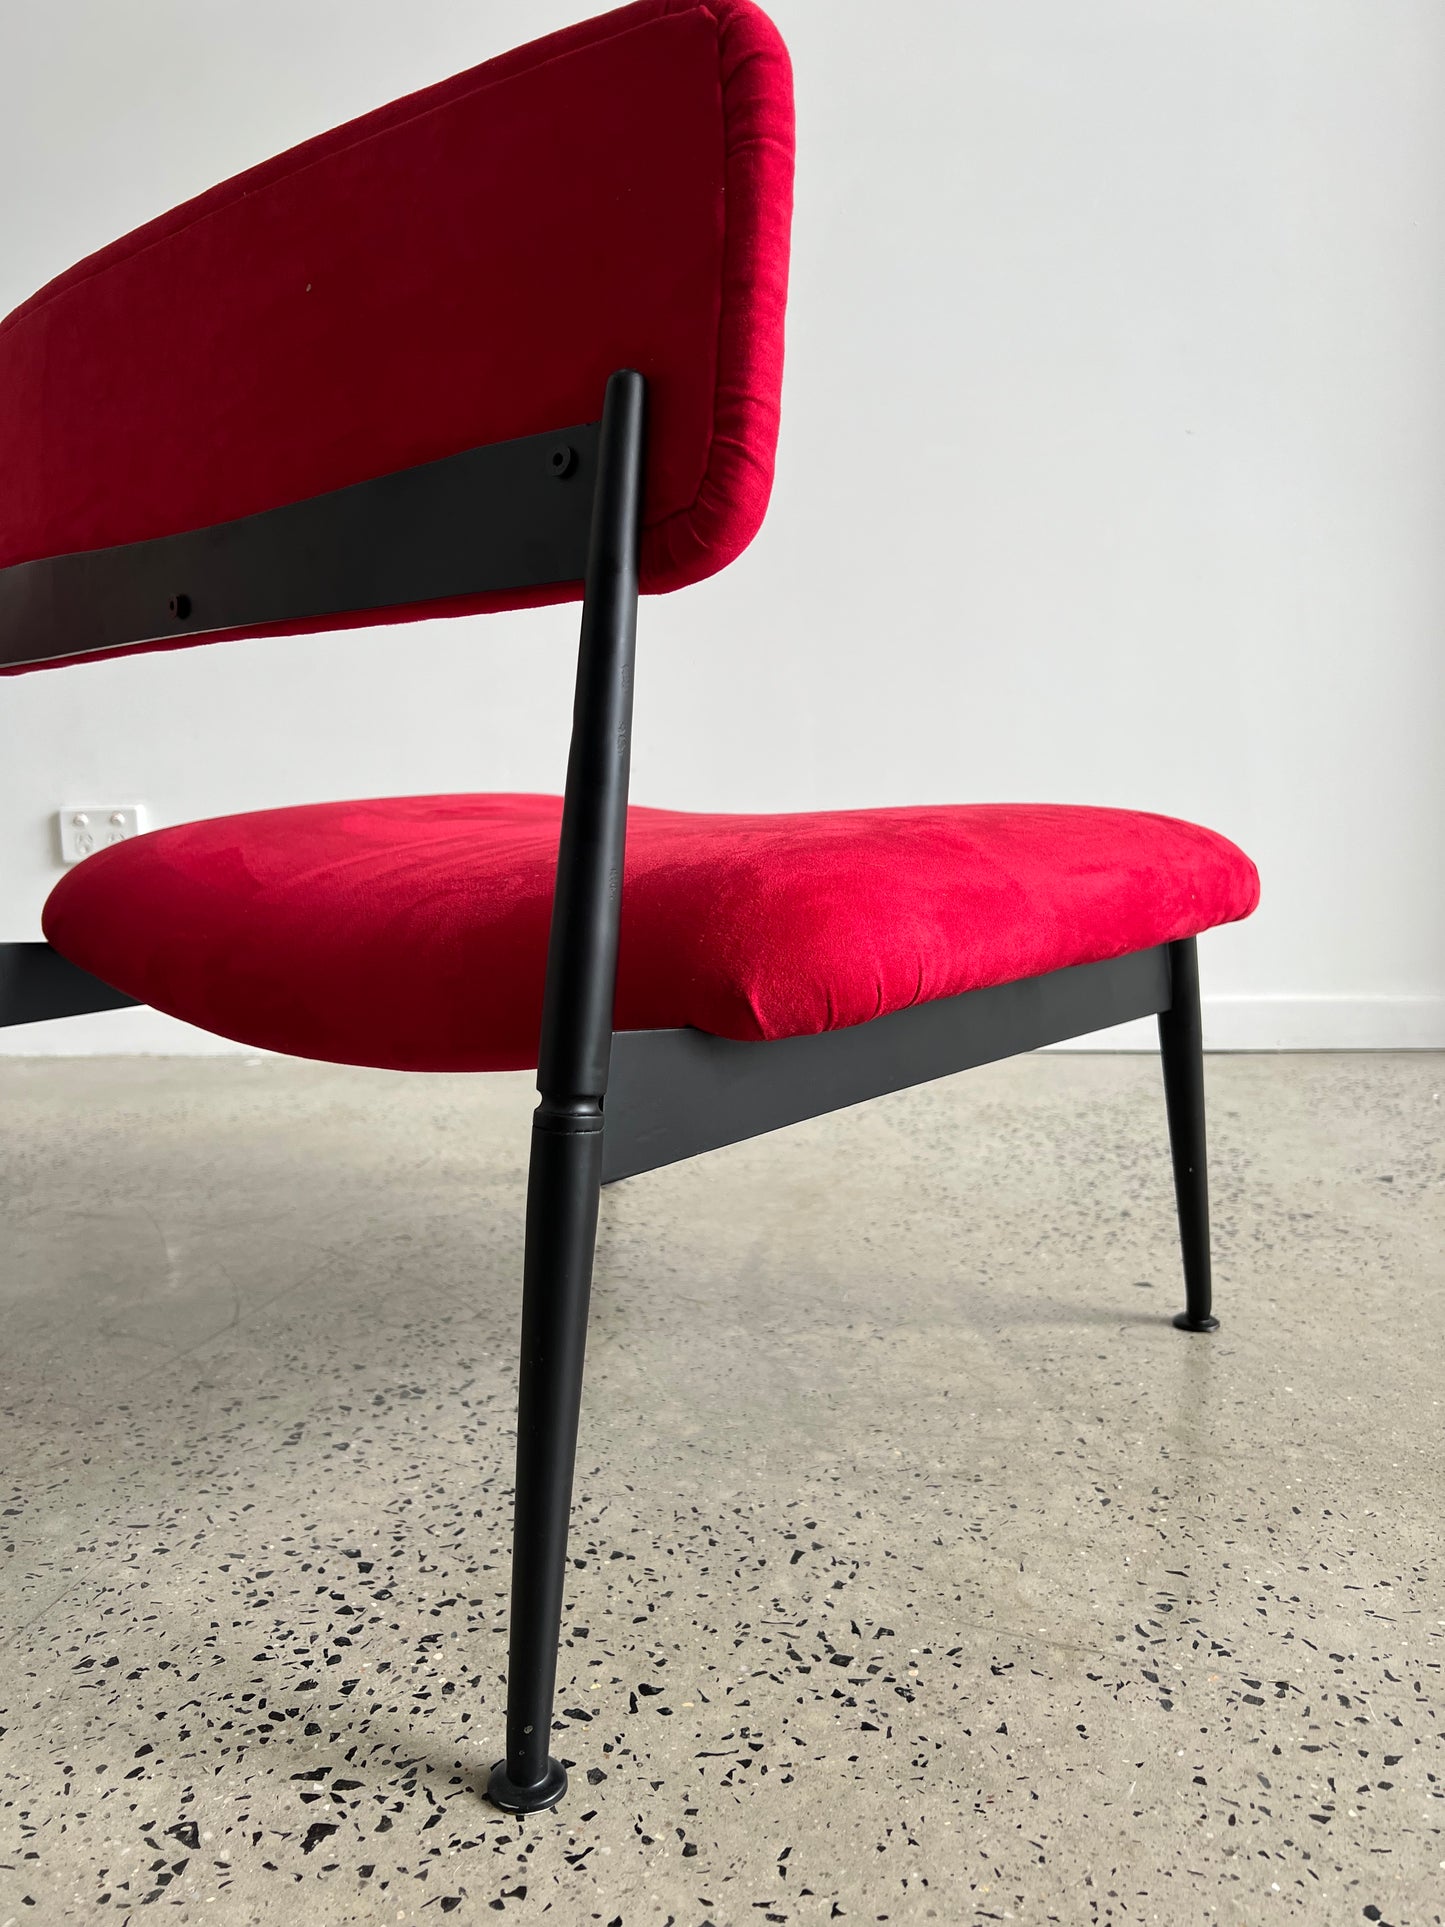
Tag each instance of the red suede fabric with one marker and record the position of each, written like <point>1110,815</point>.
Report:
<point>463,266</point>
<point>411,933</point>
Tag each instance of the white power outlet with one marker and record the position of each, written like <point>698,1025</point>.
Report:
<point>86,827</point>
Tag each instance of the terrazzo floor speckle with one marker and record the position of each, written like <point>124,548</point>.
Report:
<point>921,1571</point>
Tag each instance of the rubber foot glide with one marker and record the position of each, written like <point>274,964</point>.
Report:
<point>504,1792</point>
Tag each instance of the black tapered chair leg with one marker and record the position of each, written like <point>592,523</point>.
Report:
<point>1181,1047</point>
<point>562,1193</point>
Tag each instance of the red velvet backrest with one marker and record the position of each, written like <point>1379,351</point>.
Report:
<point>463,266</point>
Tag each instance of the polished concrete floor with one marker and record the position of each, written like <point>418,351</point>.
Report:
<point>922,1570</point>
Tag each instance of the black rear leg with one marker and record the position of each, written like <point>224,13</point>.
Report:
<point>1181,1046</point>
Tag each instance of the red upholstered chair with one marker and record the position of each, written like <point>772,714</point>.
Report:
<point>361,384</point>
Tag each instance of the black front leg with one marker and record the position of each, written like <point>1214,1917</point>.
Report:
<point>562,1192</point>
<point>575,1052</point>
<point>1181,1045</point>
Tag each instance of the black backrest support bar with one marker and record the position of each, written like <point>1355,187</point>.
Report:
<point>513,515</point>
<point>582,952</point>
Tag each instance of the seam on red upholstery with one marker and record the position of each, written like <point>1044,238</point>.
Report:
<point>664,521</point>
<point>269,172</point>
<point>728,78</point>
<point>685,552</point>
<point>114,255</point>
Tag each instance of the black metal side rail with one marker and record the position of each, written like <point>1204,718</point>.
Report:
<point>36,982</point>
<point>673,1094</point>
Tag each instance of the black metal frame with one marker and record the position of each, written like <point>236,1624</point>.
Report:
<point>560,508</point>
<point>676,1093</point>
<point>37,983</point>
<point>512,515</point>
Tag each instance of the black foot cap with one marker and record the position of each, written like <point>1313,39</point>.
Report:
<point>1185,1323</point>
<point>504,1792</point>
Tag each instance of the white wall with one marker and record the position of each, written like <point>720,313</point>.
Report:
<point>1113,464</point>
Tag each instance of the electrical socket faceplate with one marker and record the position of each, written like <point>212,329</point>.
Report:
<point>86,827</point>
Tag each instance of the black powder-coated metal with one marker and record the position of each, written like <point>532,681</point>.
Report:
<point>512,515</point>
<point>566,1162</point>
<point>676,1093</point>
<point>1181,1050</point>
<point>36,982</point>
<point>563,1185</point>
<point>581,980</point>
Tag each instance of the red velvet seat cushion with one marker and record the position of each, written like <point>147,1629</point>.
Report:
<point>411,933</point>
